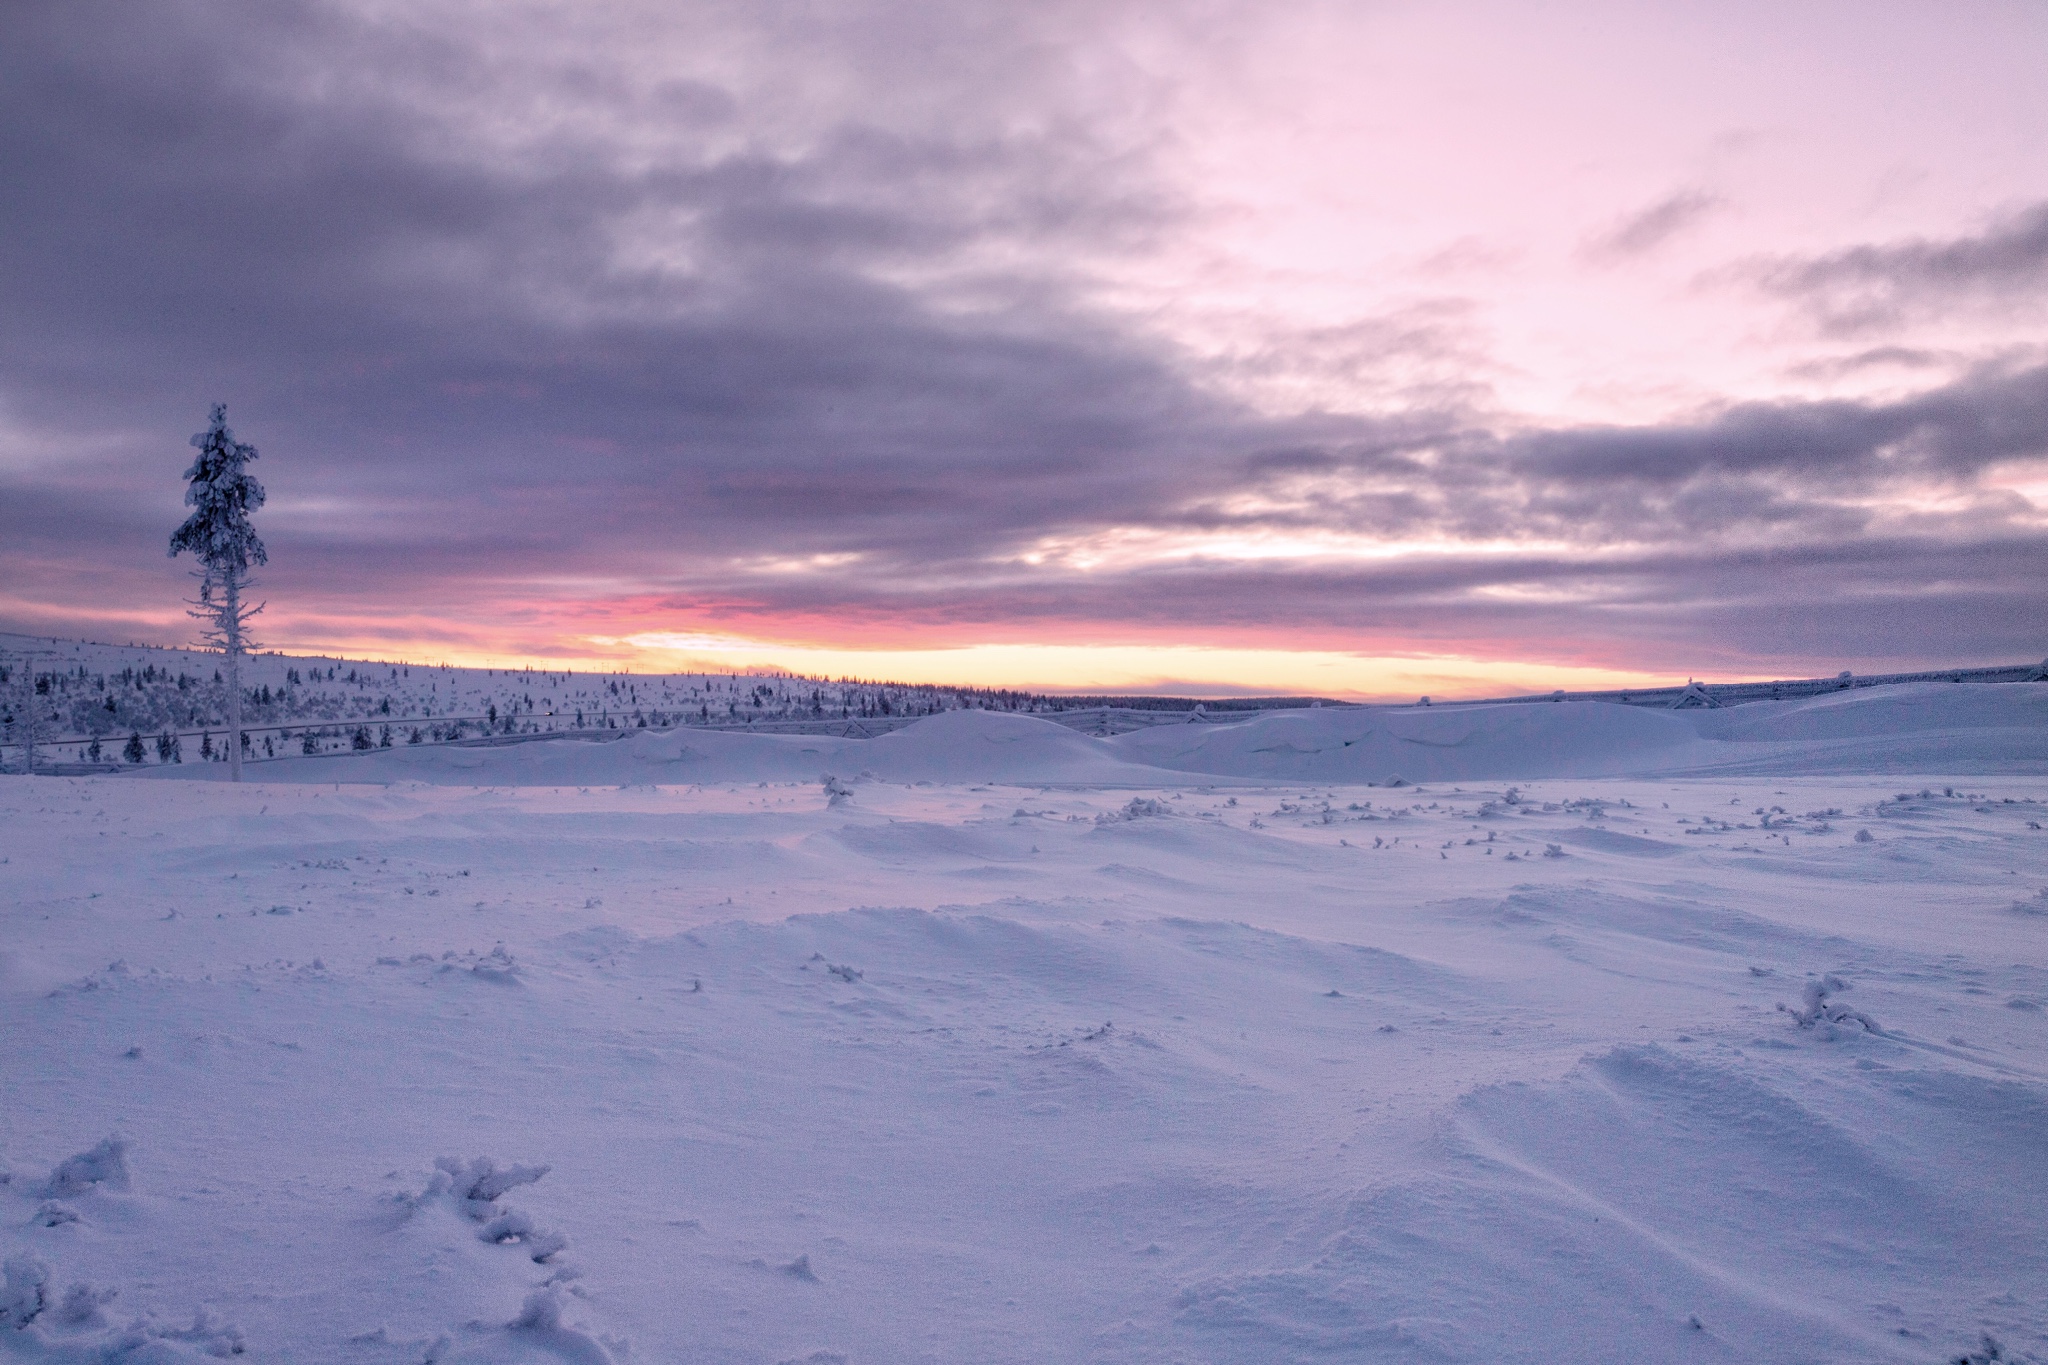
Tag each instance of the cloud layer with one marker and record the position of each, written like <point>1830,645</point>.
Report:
<point>745,321</point>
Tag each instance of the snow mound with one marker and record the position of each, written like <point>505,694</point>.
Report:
<point>985,746</point>
<point>1667,1200</point>
<point>104,1165</point>
<point>1878,712</point>
<point>956,746</point>
<point>1915,727</point>
<point>1434,744</point>
<point>1908,728</point>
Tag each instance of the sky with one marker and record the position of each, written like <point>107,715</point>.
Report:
<point>1361,349</point>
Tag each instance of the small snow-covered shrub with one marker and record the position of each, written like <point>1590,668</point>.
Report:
<point>81,1306</point>
<point>105,1164</point>
<point>1820,1010</point>
<point>23,1290</point>
<point>52,1214</point>
<point>1990,1351</point>
<point>477,1185</point>
<point>1137,808</point>
<point>837,793</point>
<point>513,1228</point>
<point>208,1333</point>
<point>474,1188</point>
<point>496,965</point>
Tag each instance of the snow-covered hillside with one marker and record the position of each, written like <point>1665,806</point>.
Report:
<point>1926,727</point>
<point>1010,1044</point>
<point>313,704</point>
<point>1915,727</point>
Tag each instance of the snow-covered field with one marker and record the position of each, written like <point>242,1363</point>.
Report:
<point>1625,1036</point>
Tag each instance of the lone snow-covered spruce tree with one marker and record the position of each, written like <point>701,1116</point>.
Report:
<point>222,494</point>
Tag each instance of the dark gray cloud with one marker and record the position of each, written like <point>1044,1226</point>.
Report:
<point>628,338</point>
<point>1642,232</point>
<point>1875,358</point>
<point>1870,286</point>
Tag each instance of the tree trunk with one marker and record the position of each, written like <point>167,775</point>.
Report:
<point>231,621</point>
<point>27,724</point>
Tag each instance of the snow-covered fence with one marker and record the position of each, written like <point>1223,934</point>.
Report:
<point>74,754</point>
<point>1117,720</point>
<point>1735,694</point>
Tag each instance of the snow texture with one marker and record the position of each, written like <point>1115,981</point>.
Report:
<point>1201,1043</point>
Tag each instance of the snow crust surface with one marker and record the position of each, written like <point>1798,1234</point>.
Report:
<point>1613,1036</point>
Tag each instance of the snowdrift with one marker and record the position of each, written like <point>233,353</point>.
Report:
<point>1935,728</point>
<point>1909,728</point>
<point>1427,744</point>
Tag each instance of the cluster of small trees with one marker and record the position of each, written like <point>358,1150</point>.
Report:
<point>169,749</point>
<point>221,493</point>
<point>219,536</point>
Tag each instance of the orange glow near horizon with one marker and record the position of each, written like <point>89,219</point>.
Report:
<point>1176,669</point>
<point>650,636</point>
<point>619,636</point>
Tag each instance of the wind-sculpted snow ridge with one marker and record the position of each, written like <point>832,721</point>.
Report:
<point>458,1230</point>
<point>1693,1209</point>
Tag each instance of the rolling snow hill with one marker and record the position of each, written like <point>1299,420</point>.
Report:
<point>1921,727</point>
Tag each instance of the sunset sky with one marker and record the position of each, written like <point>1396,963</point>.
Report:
<point>1359,349</point>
